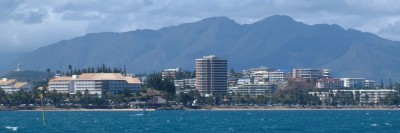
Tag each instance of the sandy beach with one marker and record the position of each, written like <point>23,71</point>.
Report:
<point>99,110</point>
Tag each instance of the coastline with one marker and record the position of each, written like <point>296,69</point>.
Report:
<point>297,108</point>
<point>210,108</point>
<point>95,110</point>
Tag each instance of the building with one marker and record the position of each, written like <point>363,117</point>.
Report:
<point>368,96</point>
<point>254,89</point>
<point>184,85</point>
<point>311,73</point>
<point>353,82</point>
<point>95,83</point>
<point>170,73</point>
<point>12,86</point>
<point>211,75</point>
<point>279,76</point>
<point>329,83</point>
<point>364,96</point>
<point>369,83</point>
<point>242,81</point>
<point>263,75</point>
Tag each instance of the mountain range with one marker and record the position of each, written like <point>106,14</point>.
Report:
<point>276,42</point>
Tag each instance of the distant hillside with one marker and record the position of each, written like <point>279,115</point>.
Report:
<point>276,41</point>
<point>7,59</point>
<point>28,75</point>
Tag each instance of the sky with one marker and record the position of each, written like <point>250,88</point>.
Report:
<point>26,25</point>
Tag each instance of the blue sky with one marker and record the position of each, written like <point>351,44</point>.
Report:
<point>29,24</point>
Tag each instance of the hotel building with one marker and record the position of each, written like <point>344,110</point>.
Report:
<point>211,75</point>
<point>95,83</point>
<point>11,86</point>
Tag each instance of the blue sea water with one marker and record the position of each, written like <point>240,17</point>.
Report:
<point>203,121</point>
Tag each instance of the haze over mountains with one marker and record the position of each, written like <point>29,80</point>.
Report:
<point>276,41</point>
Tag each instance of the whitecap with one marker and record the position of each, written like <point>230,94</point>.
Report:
<point>367,113</point>
<point>374,125</point>
<point>12,128</point>
<point>137,115</point>
<point>388,124</point>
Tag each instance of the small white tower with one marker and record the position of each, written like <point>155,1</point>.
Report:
<point>18,68</point>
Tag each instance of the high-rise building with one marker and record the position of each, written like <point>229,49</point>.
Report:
<point>211,75</point>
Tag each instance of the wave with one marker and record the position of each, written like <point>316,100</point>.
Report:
<point>11,128</point>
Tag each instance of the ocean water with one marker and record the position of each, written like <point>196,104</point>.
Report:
<point>203,121</point>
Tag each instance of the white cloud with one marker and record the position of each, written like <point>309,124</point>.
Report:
<point>29,24</point>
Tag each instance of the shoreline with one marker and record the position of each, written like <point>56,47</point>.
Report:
<point>294,109</point>
<point>94,110</point>
<point>215,108</point>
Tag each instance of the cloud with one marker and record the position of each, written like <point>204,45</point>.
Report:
<point>7,9</point>
<point>391,31</point>
<point>34,17</point>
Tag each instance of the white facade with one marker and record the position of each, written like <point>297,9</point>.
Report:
<point>353,82</point>
<point>369,96</point>
<point>170,73</point>
<point>95,83</point>
<point>311,73</point>
<point>369,83</point>
<point>330,83</point>
<point>365,96</point>
<point>254,89</point>
<point>12,86</point>
<point>185,85</point>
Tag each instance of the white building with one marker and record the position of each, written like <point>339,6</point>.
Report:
<point>12,86</point>
<point>365,96</point>
<point>243,81</point>
<point>254,89</point>
<point>95,83</point>
<point>353,82</point>
<point>262,75</point>
<point>369,83</point>
<point>330,83</point>
<point>368,96</point>
<point>311,73</point>
<point>185,85</point>
<point>170,73</point>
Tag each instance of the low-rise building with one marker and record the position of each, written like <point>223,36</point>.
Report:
<point>95,83</point>
<point>254,89</point>
<point>185,85</point>
<point>170,73</point>
<point>353,82</point>
<point>364,96</point>
<point>369,84</point>
<point>329,83</point>
<point>12,86</point>
<point>311,73</point>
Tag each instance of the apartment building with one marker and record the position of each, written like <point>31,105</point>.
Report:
<point>211,75</point>
<point>311,73</point>
<point>353,82</point>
